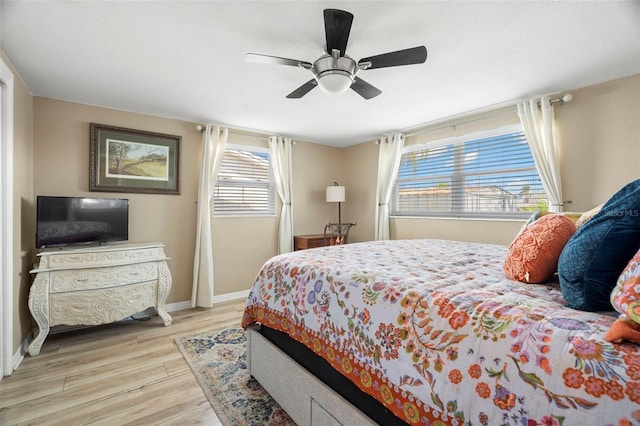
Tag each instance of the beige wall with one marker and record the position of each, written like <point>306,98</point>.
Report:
<point>314,168</point>
<point>361,174</point>
<point>241,244</point>
<point>599,135</point>
<point>600,141</point>
<point>61,167</point>
<point>481,231</point>
<point>23,216</point>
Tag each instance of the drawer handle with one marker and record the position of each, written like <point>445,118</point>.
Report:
<point>82,279</point>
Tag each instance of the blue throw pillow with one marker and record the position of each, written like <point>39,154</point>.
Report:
<point>596,254</point>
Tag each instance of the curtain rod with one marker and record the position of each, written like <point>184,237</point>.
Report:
<point>452,123</point>
<point>458,123</point>
<point>567,97</point>
<point>200,128</point>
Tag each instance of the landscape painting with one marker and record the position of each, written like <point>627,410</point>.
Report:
<point>129,160</point>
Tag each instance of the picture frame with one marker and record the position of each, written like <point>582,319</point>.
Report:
<point>129,160</point>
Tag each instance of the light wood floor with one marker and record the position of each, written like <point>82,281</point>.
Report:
<point>129,372</point>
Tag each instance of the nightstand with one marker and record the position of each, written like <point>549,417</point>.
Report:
<point>301,242</point>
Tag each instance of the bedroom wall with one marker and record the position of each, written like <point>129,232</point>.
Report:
<point>361,174</point>
<point>61,167</point>
<point>599,133</point>
<point>240,244</point>
<point>314,168</point>
<point>23,212</point>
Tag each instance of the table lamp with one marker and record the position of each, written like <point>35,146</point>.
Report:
<point>335,194</point>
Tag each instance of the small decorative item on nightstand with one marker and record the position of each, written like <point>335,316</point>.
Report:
<point>336,234</point>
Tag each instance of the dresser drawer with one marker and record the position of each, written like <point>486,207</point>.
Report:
<point>97,278</point>
<point>95,307</point>
<point>100,257</point>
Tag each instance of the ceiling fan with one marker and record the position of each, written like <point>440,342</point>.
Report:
<point>335,71</point>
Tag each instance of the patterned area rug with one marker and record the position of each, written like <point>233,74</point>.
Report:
<point>218,359</point>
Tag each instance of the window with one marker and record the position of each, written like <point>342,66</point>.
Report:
<point>245,183</point>
<point>489,174</point>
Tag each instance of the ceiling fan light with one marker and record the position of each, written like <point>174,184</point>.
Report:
<point>335,81</point>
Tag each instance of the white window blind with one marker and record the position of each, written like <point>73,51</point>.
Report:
<point>489,174</point>
<point>245,183</point>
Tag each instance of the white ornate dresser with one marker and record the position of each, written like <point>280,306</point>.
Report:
<point>97,285</point>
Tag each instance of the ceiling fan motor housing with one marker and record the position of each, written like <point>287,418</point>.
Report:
<point>332,70</point>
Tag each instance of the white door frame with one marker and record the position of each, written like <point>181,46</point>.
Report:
<point>6,208</point>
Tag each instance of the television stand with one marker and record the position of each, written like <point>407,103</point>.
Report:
<point>97,285</point>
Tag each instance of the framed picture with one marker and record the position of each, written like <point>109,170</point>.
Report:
<point>127,160</point>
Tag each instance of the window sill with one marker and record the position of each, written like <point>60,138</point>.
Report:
<point>467,219</point>
<point>244,216</point>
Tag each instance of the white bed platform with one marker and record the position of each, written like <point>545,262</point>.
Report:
<point>303,396</point>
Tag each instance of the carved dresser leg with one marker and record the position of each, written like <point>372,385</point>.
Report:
<point>39,307</point>
<point>164,285</point>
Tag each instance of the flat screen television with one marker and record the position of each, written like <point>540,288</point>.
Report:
<point>63,221</point>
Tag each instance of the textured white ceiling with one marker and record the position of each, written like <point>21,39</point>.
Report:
<point>186,59</point>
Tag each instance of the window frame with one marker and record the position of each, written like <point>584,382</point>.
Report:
<point>461,140</point>
<point>270,185</point>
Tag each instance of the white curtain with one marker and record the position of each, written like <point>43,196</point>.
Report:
<point>539,127</point>
<point>389,156</point>
<point>280,150</point>
<point>214,142</point>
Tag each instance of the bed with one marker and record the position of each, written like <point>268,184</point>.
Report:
<point>431,332</point>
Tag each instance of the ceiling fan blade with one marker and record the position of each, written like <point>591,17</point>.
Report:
<point>337,26</point>
<point>267,59</point>
<point>364,89</point>
<point>303,90</point>
<point>414,55</point>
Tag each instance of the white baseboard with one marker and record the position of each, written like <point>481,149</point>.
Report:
<point>231,296</point>
<point>222,298</point>
<point>177,306</point>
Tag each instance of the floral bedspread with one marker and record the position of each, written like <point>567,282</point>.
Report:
<point>435,331</point>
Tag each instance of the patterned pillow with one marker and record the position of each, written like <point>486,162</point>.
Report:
<point>597,253</point>
<point>533,255</point>
<point>625,299</point>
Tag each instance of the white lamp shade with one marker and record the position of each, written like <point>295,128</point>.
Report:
<point>335,194</point>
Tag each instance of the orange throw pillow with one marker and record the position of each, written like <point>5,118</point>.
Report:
<point>533,256</point>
